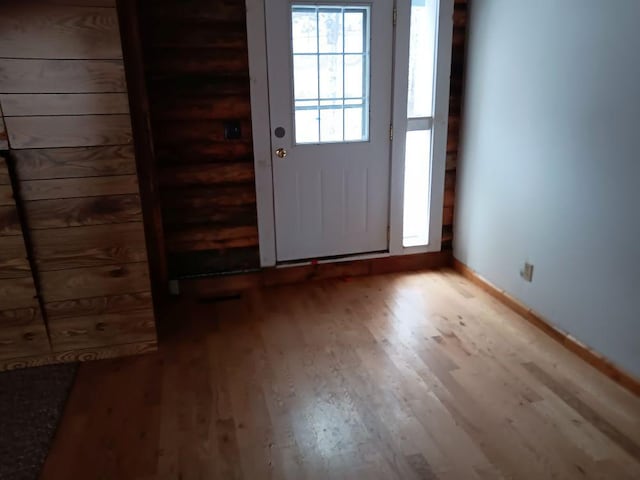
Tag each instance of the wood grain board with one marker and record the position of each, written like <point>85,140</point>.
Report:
<point>17,293</point>
<point>88,246</point>
<point>33,104</point>
<point>74,212</point>
<point>79,355</point>
<point>61,76</point>
<point>32,29</point>
<point>22,333</point>
<point>49,163</point>
<point>102,330</point>
<point>4,139</point>
<point>78,187</point>
<point>113,304</point>
<point>68,131</point>
<point>13,257</point>
<point>9,221</point>
<point>76,283</point>
<point>5,179</point>
<point>407,376</point>
<point>6,196</point>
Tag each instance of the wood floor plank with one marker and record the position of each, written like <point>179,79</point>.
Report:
<point>402,376</point>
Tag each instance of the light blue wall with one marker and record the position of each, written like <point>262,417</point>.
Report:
<point>550,163</point>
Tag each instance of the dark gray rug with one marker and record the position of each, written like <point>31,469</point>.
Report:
<point>31,404</point>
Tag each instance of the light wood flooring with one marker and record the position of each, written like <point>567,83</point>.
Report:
<point>404,376</point>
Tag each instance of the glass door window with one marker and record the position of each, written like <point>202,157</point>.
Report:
<point>330,48</point>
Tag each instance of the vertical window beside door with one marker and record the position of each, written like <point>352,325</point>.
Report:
<point>420,106</point>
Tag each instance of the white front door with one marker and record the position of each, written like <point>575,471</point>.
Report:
<point>330,89</point>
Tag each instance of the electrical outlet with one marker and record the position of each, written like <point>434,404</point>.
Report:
<point>527,272</point>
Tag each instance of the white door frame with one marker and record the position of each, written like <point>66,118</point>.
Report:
<point>256,39</point>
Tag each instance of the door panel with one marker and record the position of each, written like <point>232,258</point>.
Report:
<point>330,104</point>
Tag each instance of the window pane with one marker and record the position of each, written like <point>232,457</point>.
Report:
<point>353,123</point>
<point>307,126</point>
<point>421,58</point>
<point>354,32</point>
<point>331,77</point>
<point>305,75</point>
<point>331,125</point>
<point>353,76</point>
<point>330,26</point>
<point>326,75</point>
<point>304,30</point>
<point>416,190</point>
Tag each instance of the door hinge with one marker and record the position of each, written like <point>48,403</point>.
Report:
<point>395,16</point>
<point>388,234</point>
<point>391,132</point>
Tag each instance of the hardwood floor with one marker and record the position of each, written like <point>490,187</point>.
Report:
<point>408,376</point>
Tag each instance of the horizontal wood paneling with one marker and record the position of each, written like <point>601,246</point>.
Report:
<point>9,221</point>
<point>88,246</point>
<point>201,108</point>
<point>68,131</point>
<point>197,61</point>
<point>78,187</point>
<point>52,163</point>
<point>205,238</point>
<point>6,195</point>
<point>82,355</point>
<point>61,76</point>
<point>455,105</point>
<point>207,174</point>
<point>192,11</point>
<point>198,78</point>
<point>5,179</point>
<point>4,139</point>
<point>22,333</point>
<point>15,105</point>
<point>214,196</point>
<point>209,133</point>
<point>30,29</point>
<point>73,212</point>
<point>94,281</point>
<point>199,33</point>
<point>13,257</point>
<point>102,330</point>
<point>17,293</point>
<point>113,304</point>
<point>178,215</point>
<point>63,89</point>
<point>201,262</point>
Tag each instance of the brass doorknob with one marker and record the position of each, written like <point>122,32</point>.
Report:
<point>281,152</point>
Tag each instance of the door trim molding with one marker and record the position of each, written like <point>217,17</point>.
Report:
<point>261,130</point>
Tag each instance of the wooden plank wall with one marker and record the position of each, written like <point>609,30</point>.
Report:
<point>197,78</point>
<point>22,328</point>
<point>4,141</point>
<point>64,96</point>
<point>460,16</point>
